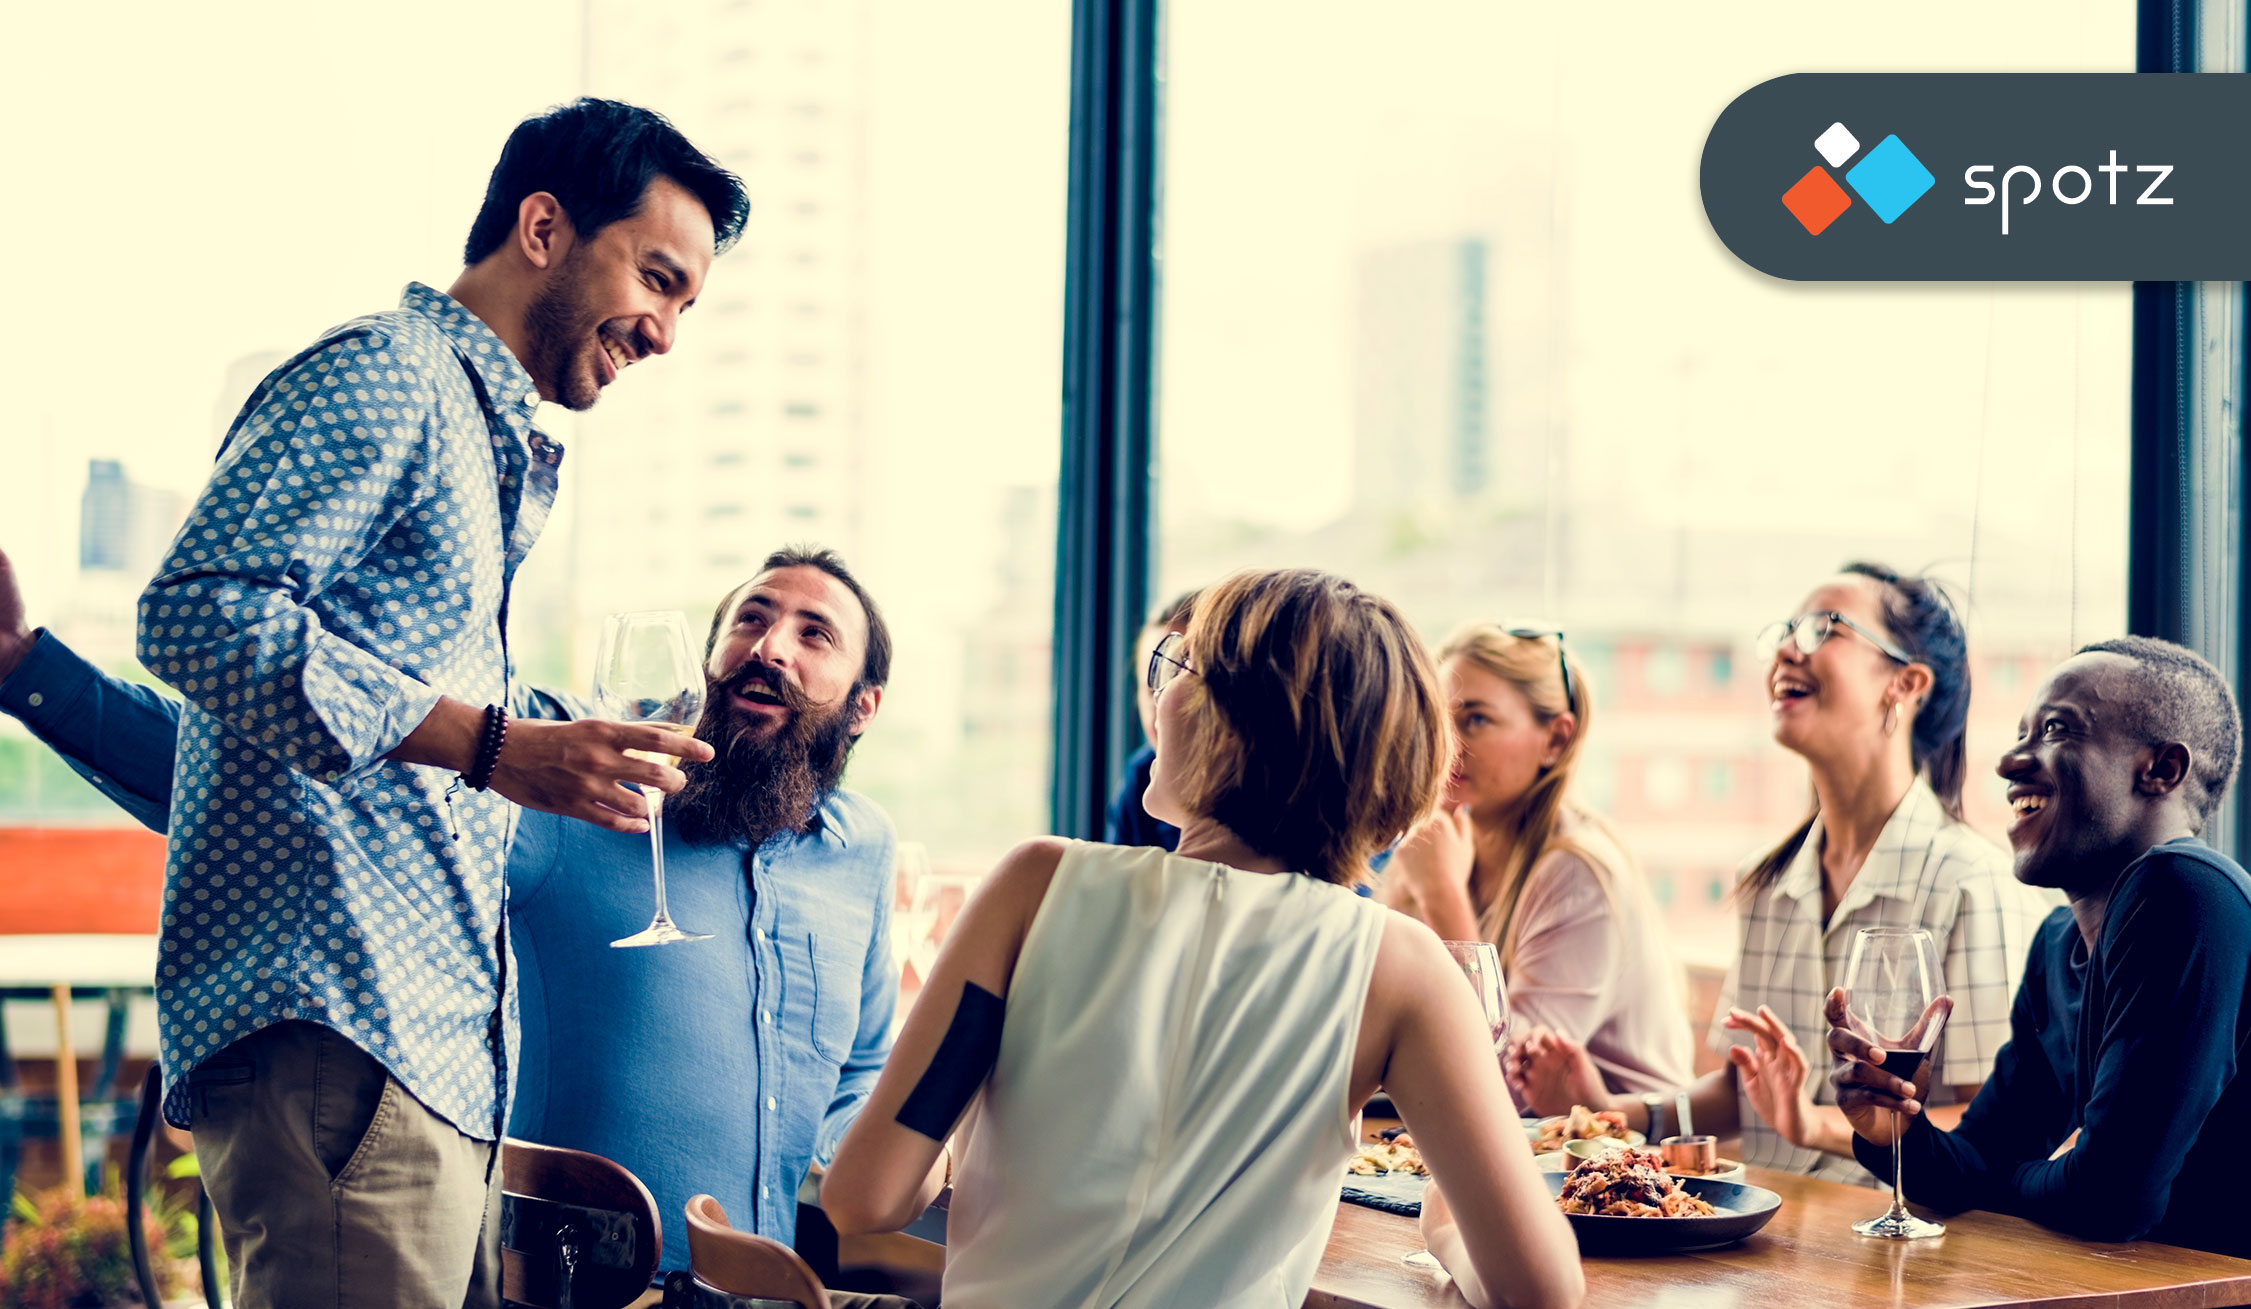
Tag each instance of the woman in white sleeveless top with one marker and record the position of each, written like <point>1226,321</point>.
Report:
<point>1154,1059</point>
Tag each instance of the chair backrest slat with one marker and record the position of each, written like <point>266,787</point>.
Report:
<point>609,1215</point>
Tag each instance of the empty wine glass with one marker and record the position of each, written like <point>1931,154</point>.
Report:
<point>644,673</point>
<point>1891,983</point>
<point>1480,962</point>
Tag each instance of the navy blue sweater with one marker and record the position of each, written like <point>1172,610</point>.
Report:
<point>2137,1048</point>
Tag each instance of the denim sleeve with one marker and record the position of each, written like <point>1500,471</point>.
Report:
<point>116,735</point>
<point>320,470</point>
<point>879,1004</point>
<point>544,702</point>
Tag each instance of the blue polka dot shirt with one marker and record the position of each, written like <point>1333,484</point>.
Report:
<point>348,563</point>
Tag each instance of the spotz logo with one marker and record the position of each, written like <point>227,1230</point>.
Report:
<point>1889,179</point>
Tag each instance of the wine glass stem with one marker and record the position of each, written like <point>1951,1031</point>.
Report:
<point>656,850</point>
<point>1898,1197</point>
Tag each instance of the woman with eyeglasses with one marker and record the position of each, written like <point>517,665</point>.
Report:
<point>1149,1062</point>
<point>1513,858</point>
<point>1869,683</point>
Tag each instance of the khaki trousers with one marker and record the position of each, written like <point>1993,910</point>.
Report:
<point>334,1187</point>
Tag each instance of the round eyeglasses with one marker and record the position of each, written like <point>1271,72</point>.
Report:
<point>1168,661</point>
<point>1807,631</point>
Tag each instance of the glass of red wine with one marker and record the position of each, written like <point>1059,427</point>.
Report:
<point>1891,983</point>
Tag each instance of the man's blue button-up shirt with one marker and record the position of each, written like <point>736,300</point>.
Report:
<point>722,1067</point>
<point>347,565</point>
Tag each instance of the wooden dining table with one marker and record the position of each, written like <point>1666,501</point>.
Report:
<point>1808,1255</point>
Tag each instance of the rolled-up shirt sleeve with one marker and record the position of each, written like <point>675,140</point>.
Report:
<point>330,460</point>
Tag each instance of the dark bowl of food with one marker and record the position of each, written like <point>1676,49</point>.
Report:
<point>1626,1204</point>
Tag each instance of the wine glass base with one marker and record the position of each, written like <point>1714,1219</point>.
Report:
<point>1899,1227</point>
<point>657,934</point>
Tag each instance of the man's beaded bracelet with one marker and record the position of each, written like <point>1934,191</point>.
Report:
<point>489,742</point>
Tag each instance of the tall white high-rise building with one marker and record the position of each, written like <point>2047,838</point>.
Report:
<point>751,433</point>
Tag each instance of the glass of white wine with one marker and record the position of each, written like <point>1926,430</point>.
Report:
<point>644,673</point>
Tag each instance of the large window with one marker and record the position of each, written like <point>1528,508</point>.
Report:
<point>872,369</point>
<point>1442,313</point>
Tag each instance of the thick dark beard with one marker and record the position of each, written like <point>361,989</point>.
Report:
<point>758,785</point>
<point>556,328</point>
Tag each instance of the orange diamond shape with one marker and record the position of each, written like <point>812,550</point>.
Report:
<point>1816,200</point>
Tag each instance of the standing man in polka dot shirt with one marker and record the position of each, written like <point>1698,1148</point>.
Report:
<point>332,985</point>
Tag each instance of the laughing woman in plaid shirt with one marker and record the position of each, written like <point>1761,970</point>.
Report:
<point>1870,685</point>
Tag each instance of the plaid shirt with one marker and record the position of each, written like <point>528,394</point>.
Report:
<point>1926,870</point>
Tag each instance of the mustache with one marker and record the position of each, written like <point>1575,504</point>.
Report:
<point>767,678</point>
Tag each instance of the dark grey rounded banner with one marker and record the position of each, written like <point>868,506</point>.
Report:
<point>1986,177</point>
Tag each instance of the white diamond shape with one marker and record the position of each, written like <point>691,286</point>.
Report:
<point>1837,145</point>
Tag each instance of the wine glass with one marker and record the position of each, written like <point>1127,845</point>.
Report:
<point>910,865</point>
<point>938,901</point>
<point>644,673</point>
<point>1480,962</point>
<point>1890,984</point>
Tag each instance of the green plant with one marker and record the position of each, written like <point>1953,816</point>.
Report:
<point>67,1251</point>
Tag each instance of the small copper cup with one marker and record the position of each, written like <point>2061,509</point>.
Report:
<point>1691,1154</point>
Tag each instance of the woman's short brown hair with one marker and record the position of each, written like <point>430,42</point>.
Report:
<point>1316,732</point>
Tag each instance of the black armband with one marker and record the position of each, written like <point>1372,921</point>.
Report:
<point>963,1059</point>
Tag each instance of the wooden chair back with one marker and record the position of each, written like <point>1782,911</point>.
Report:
<point>740,1263</point>
<point>577,1231</point>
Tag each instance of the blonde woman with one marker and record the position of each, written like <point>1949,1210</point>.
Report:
<point>1514,859</point>
<point>1160,1054</point>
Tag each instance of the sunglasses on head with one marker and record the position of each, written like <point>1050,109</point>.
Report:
<point>1562,661</point>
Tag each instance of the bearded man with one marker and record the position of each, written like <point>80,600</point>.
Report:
<point>724,1066</point>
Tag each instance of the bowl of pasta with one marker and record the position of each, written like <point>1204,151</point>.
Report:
<point>1624,1202</point>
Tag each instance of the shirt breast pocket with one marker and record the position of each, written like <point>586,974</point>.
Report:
<point>836,999</point>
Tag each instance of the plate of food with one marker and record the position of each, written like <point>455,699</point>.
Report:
<point>1624,1202</point>
<point>1562,1161</point>
<point>1398,1155</point>
<point>1387,1173</point>
<point>1581,1124</point>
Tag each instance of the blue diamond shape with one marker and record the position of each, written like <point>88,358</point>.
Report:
<point>1890,178</point>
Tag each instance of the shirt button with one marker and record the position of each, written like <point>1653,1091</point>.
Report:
<point>35,699</point>
<point>765,1017</point>
<point>770,1103</point>
<point>763,1192</point>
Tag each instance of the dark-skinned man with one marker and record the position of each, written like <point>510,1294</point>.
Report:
<point>2115,1110</point>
